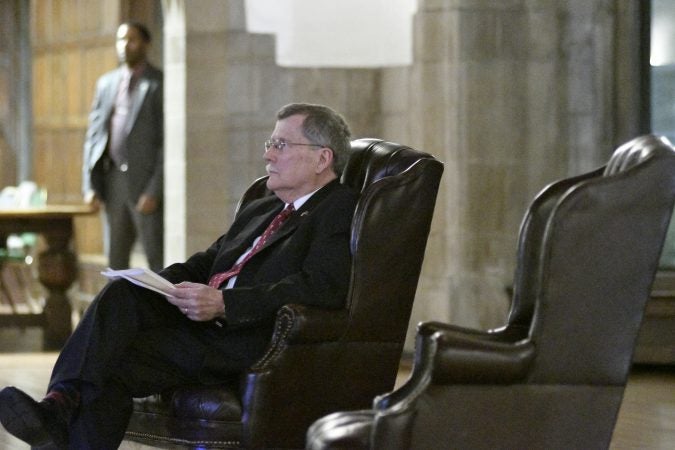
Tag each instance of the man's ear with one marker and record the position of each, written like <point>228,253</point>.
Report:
<point>325,159</point>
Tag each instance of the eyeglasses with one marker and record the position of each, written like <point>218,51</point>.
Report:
<point>280,145</point>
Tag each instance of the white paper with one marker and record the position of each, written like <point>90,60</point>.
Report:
<point>142,277</point>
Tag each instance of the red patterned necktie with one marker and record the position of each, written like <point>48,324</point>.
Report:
<point>218,279</point>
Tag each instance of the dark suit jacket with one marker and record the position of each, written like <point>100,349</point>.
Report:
<point>307,261</point>
<point>145,140</point>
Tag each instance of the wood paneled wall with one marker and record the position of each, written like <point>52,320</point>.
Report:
<point>9,18</point>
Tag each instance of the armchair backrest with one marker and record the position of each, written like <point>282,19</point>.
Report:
<point>532,230</point>
<point>391,224</point>
<point>600,253</point>
<point>527,278</point>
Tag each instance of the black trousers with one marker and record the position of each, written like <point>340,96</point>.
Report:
<point>131,342</point>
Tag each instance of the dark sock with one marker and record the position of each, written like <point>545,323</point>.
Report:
<point>64,399</point>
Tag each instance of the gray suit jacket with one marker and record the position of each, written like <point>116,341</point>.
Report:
<point>145,138</point>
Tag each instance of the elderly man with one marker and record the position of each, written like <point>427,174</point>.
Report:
<point>292,246</point>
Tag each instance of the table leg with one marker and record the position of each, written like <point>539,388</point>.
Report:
<point>57,270</point>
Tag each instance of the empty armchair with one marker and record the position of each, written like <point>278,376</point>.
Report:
<point>320,361</point>
<point>553,377</point>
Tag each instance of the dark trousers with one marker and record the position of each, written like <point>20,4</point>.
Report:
<point>124,224</point>
<point>131,342</point>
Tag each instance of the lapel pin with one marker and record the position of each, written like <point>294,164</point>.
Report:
<point>304,214</point>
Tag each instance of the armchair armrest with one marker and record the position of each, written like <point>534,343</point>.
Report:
<point>448,354</point>
<point>478,357</point>
<point>300,363</point>
<point>299,324</point>
<point>508,334</point>
<point>307,324</point>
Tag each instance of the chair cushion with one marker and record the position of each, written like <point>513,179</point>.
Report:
<point>215,402</point>
<point>208,416</point>
<point>207,402</point>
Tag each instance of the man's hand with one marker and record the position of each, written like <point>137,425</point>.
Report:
<point>197,301</point>
<point>91,199</point>
<point>147,204</point>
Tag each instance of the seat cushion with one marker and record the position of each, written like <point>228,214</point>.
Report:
<point>206,402</point>
<point>189,415</point>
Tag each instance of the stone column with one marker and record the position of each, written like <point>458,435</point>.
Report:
<point>511,95</point>
<point>175,186</point>
<point>195,164</point>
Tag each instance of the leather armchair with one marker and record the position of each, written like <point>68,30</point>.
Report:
<point>320,361</point>
<point>553,377</point>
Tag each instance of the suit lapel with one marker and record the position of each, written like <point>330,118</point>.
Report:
<point>285,229</point>
<point>256,226</point>
<point>300,215</point>
<point>244,239</point>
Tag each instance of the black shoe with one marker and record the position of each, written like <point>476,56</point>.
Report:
<point>36,423</point>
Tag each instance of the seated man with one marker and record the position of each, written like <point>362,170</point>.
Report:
<point>218,320</point>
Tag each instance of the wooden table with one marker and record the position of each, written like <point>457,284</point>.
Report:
<point>57,265</point>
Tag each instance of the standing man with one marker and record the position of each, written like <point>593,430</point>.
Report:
<point>123,162</point>
<point>289,247</point>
